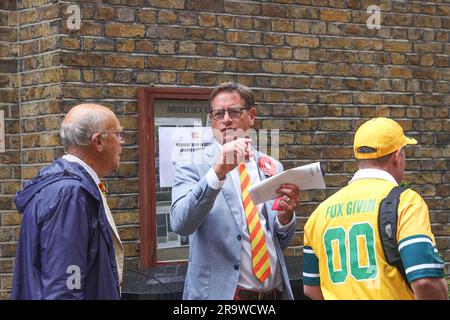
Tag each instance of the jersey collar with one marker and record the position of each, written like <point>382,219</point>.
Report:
<point>373,174</point>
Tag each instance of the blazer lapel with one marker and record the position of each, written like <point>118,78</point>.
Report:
<point>266,210</point>
<point>210,153</point>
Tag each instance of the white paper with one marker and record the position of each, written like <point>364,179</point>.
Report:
<point>304,177</point>
<point>177,146</point>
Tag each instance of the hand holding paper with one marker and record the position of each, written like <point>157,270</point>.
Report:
<point>305,177</point>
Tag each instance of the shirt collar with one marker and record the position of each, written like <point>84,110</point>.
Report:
<point>373,174</point>
<point>92,173</point>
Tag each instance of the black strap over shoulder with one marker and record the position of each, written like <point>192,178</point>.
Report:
<point>387,228</point>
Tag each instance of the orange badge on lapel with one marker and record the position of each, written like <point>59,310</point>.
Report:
<point>102,188</point>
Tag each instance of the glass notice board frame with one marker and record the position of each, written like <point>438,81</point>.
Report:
<point>159,106</point>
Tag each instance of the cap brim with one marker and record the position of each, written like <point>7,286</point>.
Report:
<point>410,140</point>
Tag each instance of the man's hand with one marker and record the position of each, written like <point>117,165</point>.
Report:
<point>232,153</point>
<point>291,198</point>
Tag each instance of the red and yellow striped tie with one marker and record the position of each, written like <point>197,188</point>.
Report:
<point>260,255</point>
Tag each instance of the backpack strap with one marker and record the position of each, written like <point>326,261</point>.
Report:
<point>387,228</point>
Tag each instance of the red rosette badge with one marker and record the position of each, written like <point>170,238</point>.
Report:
<point>267,166</point>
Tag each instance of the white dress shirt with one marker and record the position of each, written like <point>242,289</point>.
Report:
<point>246,278</point>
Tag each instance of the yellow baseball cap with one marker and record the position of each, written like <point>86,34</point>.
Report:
<point>379,137</point>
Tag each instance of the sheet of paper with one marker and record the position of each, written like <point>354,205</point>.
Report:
<point>304,177</point>
<point>178,145</point>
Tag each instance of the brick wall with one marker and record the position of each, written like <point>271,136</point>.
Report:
<point>318,72</point>
<point>30,94</point>
<point>10,171</point>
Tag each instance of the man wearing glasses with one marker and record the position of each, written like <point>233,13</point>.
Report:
<point>235,245</point>
<point>69,247</point>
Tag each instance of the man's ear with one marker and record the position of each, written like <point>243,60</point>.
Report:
<point>252,113</point>
<point>97,142</point>
<point>398,156</point>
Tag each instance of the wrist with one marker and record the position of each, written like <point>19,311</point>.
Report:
<point>219,172</point>
<point>285,218</point>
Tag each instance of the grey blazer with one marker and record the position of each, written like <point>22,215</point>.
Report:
<point>212,219</point>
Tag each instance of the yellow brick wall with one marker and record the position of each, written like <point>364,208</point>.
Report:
<point>317,70</point>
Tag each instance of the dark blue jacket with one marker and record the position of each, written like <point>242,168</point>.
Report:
<point>65,249</point>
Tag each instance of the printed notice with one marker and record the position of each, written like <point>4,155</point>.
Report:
<point>305,177</point>
<point>2,131</point>
<point>178,145</point>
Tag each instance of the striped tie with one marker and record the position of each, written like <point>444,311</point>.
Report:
<point>260,255</point>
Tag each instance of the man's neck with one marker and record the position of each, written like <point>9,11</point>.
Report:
<point>388,168</point>
<point>89,160</point>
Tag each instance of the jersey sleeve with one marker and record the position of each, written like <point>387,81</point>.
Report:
<point>311,275</point>
<point>417,246</point>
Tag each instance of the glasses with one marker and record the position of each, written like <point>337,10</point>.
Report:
<point>233,113</point>
<point>119,134</point>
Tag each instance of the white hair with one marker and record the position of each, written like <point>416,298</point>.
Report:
<point>79,131</point>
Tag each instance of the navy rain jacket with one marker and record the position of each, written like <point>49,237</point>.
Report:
<point>65,249</point>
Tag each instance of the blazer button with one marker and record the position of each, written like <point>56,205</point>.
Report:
<point>239,237</point>
<point>236,267</point>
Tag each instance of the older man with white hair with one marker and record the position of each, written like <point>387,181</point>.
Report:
<point>69,247</point>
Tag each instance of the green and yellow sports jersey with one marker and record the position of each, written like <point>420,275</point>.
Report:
<point>342,250</point>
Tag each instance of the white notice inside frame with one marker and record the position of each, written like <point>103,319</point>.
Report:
<point>177,145</point>
<point>2,131</point>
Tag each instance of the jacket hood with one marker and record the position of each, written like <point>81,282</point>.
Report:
<point>59,170</point>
